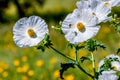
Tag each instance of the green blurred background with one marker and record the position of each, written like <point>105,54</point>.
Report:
<point>32,64</point>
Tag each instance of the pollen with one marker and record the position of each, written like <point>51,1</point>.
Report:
<point>93,14</point>
<point>114,67</point>
<point>80,26</point>
<point>31,32</point>
<point>107,3</point>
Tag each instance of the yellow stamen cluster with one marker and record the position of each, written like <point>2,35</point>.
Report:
<point>80,26</point>
<point>31,32</point>
<point>107,3</point>
<point>93,14</point>
<point>114,67</point>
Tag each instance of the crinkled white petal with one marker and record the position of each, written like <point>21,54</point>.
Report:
<point>98,8</point>
<point>77,37</point>
<point>87,4</point>
<point>69,27</point>
<point>21,37</point>
<point>108,75</point>
<point>102,12</point>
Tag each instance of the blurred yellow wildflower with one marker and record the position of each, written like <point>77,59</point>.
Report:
<point>39,63</point>
<point>16,62</point>
<point>90,66</point>
<point>5,74</point>
<point>3,65</point>
<point>30,72</point>
<point>56,74</point>
<point>1,70</point>
<point>25,78</point>
<point>82,53</point>
<point>19,69</point>
<point>72,54</point>
<point>1,79</point>
<point>104,53</point>
<point>10,47</point>
<point>69,77</point>
<point>106,29</point>
<point>53,60</point>
<point>25,68</point>
<point>24,58</point>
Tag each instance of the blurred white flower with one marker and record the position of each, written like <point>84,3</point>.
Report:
<point>29,31</point>
<point>115,63</point>
<point>99,8</point>
<point>108,75</point>
<point>80,26</point>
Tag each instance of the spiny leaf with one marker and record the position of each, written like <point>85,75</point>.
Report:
<point>93,45</point>
<point>106,66</point>
<point>82,59</point>
<point>64,67</point>
<point>77,47</point>
<point>46,42</point>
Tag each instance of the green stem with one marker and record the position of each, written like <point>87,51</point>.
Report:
<point>78,65</point>
<point>76,55</point>
<point>93,64</point>
<point>62,54</point>
<point>84,71</point>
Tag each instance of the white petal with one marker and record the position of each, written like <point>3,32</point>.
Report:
<point>108,75</point>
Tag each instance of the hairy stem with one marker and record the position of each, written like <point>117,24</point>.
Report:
<point>62,54</point>
<point>78,65</point>
<point>93,64</point>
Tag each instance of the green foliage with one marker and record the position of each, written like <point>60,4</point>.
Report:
<point>46,42</point>
<point>82,59</point>
<point>66,66</point>
<point>77,47</point>
<point>118,51</point>
<point>115,20</point>
<point>106,66</point>
<point>93,45</point>
<point>58,27</point>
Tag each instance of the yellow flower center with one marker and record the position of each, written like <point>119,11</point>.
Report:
<point>31,32</point>
<point>93,14</point>
<point>80,26</point>
<point>114,67</point>
<point>107,3</point>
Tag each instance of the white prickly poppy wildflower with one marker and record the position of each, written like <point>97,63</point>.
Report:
<point>80,26</point>
<point>29,31</point>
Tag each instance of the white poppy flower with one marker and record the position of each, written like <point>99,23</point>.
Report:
<point>108,75</point>
<point>99,9</point>
<point>80,26</point>
<point>115,64</point>
<point>29,31</point>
